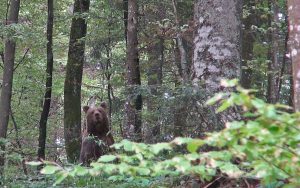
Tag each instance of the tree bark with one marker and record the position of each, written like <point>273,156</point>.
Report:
<point>274,65</point>
<point>294,46</point>
<point>6,91</point>
<point>217,50</point>
<point>156,60</point>
<point>47,97</point>
<point>133,106</point>
<point>73,81</point>
<point>183,55</point>
<point>125,17</point>
<point>248,40</point>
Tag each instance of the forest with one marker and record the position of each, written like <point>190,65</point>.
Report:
<point>150,93</point>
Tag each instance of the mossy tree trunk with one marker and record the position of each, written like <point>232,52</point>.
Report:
<point>73,81</point>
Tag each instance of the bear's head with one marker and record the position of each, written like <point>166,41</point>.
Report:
<point>96,119</point>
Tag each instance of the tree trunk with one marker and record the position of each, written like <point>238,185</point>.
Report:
<point>125,17</point>
<point>284,65</point>
<point>217,50</point>
<point>183,55</point>
<point>133,106</point>
<point>274,66</point>
<point>156,60</point>
<point>47,97</point>
<point>73,81</point>
<point>294,45</point>
<point>248,40</point>
<point>6,91</point>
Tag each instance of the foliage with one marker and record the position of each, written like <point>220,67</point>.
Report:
<point>265,145</point>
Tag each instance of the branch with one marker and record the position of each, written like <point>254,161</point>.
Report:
<point>18,141</point>
<point>276,166</point>
<point>27,50</point>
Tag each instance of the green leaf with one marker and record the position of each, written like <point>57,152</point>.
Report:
<point>194,145</point>
<point>61,177</point>
<point>229,83</point>
<point>271,112</point>
<point>143,171</point>
<point>235,125</point>
<point>181,141</point>
<point>215,99</point>
<point>34,163</point>
<point>81,171</point>
<point>107,158</point>
<point>231,170</point>
<point>225,105</point>
<point>50,169</point>
<point>128,146</point>
<point>258,103</point>
<point>156,148</point>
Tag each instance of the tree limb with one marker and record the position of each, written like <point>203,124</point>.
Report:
<point>27,50</point>
<point>18,142</point>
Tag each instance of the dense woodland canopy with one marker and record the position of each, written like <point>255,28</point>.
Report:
<point>155,64</point>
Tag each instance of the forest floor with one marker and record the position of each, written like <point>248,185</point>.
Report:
<point>98,182</point>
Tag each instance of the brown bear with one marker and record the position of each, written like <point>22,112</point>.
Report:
<point>97,137</point>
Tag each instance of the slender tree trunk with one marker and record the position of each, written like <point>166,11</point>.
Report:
<point>125,17</point>
<point>47,97</point>
<point>6,91</point>
<point>217,50</point>
<point>274,65</point>
<point>108,73</point>
<point>155,51</point>
<point>156,60</point>
<point>248,40</point>
<point>183,56</point>
<point>133,106</point>
<point>294,46</point>
<point>73,81</point>
<point>284,66</point>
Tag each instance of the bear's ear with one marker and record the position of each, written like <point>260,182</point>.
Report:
<point>103,105</point>
<point>86,108</point>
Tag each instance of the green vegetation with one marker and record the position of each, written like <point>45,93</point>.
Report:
<point>264,146</point>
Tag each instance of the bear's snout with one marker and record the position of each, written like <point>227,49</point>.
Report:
<point>97,116</point>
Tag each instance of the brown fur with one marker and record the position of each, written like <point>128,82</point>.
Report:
<point>96,137</point>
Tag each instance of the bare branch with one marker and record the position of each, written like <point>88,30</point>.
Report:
<point>27,50</point>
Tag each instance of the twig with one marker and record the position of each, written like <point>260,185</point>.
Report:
<point>212,182</point>
<point>245,180</point>
<point>22,59</point>
<point>276,166</point>
<point>18,142</point>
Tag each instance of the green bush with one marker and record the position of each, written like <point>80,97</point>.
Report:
<point>264,145</point>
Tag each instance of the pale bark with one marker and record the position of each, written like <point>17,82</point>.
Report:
<point>217,49</point>
<point>294,46</point>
